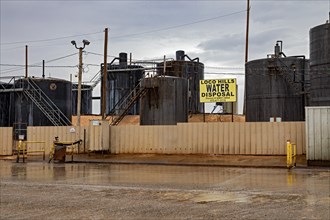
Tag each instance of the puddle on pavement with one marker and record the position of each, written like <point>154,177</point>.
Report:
<point>188,177</point>
<point>221,197</point>
<point>208,197</point>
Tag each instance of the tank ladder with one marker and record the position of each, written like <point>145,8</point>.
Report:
<point>124,105</point>
<point>45,104</point>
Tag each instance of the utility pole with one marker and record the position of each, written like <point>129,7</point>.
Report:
<point>79,87</point>
<point>247,30</point>
<point>105,70</point>
<point>26,61</point>
<point>246,49</point>
<point>85,42</point>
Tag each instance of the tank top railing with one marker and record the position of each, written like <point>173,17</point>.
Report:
<point>124,105</point>
<point>46,105</point>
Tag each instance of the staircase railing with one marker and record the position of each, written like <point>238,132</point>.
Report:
<point>286,74</point>
<point>45,104</point>
<point>124,105</point>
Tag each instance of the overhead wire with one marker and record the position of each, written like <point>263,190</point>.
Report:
<point>21,65</point>
<point>178,26</point>
<point>6,71</point>
<point>50,39</point>
<point>135,34</point>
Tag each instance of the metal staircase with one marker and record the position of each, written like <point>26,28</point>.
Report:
<point>124,105</point>
<point>286,72</point>
<point>96,79</point>
<point>46,106</point>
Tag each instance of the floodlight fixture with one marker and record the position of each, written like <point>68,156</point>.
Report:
<point>86,42</point>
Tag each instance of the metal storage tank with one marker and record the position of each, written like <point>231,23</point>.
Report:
<point>275,87</point>
<point>86,99</point>
<point>320,65</point>
<point>192,70</point>
<point>120,83</point>
<point>166,101</point>
<point>6,113</point>
<point>59,91</point>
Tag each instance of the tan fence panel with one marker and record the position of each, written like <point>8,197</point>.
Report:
<point>257,138</point>
<point>99,136</point>
<point>318,133</point>
<point>48,134</point>
<point>252,138</point>
<point>6,141</point>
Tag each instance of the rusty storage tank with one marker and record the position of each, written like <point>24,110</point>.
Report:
<point>6,108</point>
<point>58,91</point>
<point>86,99</point>
<point>190,69</point>
<point>122,78</point>
<point>275,87</point>
<point>166,101</point>
<point>320,65</point>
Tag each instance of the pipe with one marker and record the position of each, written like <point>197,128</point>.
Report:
<point>26,61</point>
<point>180,55</point>
<point>192,59</point>
<point>43,68</point>
<point>281,42</point>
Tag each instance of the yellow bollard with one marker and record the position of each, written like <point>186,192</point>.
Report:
<point>288,154</point>
<point>24,151</point>
<point>18,150</point>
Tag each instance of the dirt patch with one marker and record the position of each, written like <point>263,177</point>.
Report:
<point>135,119</point>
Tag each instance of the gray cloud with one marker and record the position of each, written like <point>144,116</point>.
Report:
<point>216,42</point>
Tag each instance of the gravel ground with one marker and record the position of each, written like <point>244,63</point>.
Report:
<point>86,191</point>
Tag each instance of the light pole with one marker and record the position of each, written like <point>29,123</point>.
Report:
<point>85,42</point>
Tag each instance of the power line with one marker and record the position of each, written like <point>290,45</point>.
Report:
<point>238,74</point>
<point>59,58</point>
<point>21,65</point>
<point>180,25</point>
<point>38,63</point>
<point>50,39</point>
<point>98,54</point>
<point>223,67</point>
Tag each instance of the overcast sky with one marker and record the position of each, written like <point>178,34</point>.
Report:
<point>214,31</point>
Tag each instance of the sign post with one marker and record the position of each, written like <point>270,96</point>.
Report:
<point>218,90</point>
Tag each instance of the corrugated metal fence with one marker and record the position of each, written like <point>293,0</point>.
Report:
<point>6,141</point>
<point>252,138</point>
<point>48,134</point>
<point>318,133</point>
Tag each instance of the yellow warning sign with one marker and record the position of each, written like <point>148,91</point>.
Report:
<point>217,90</point>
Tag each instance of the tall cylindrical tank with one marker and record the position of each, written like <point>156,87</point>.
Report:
<point>275,88</point>
<point>6,113</point>
<point>166,102</point>
<point>320,65</point>
<point>122,78</point>
<point>60,93</point>
<point>192,70</point>
<point>86,99</point>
